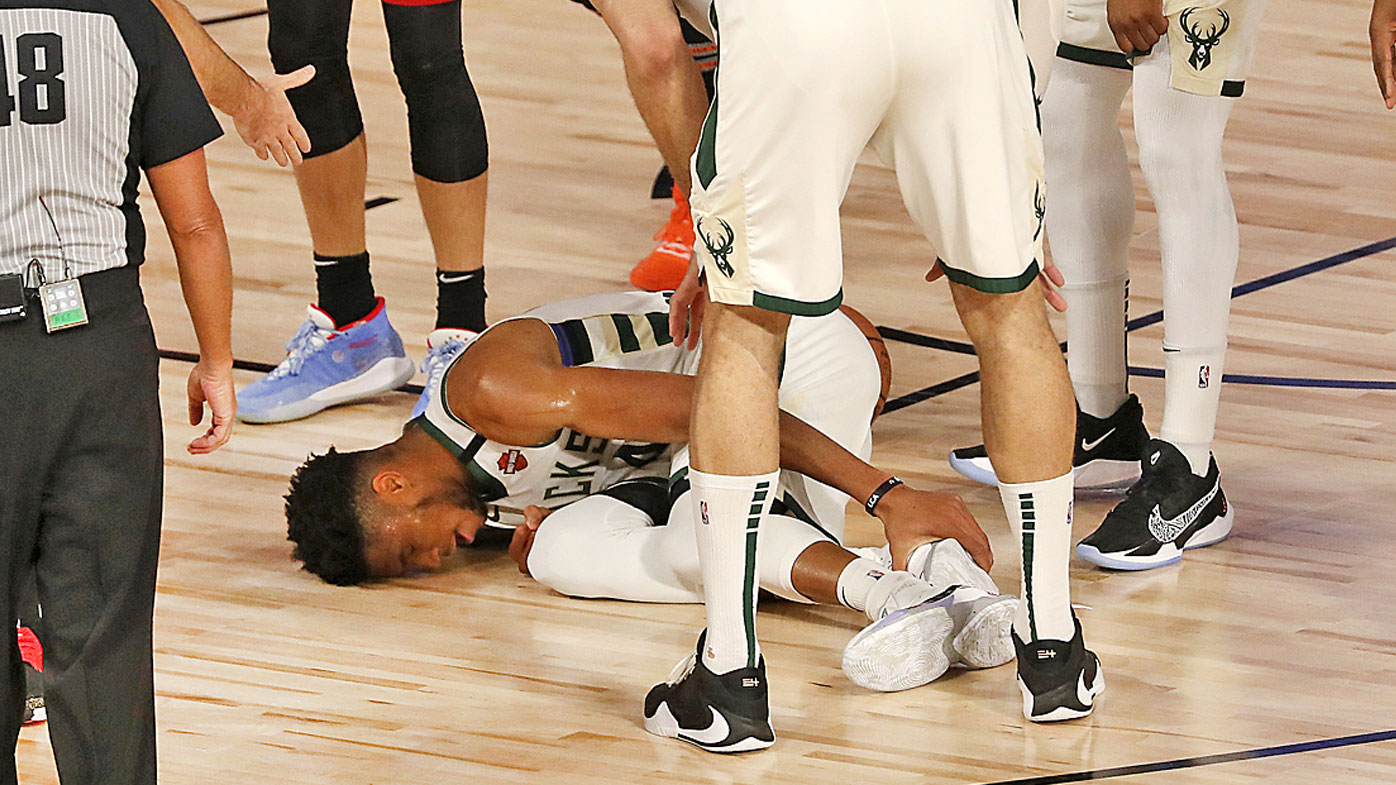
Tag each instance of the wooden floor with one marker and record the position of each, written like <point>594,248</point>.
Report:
<point>1284,634</point>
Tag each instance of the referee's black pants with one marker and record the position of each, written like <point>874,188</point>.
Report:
<point>80,499</point>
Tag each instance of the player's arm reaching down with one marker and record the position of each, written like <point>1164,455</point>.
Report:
<point>260,111</point>
<point>529,395</point>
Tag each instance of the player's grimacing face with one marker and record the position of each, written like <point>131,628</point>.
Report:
<point>416,538</point>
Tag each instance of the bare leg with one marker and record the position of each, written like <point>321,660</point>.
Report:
<point>455,216</point>
<point>664,81</point>
<point>1029,423</point>
<point>332,193</point>
<point>735,449</point>
<point>1029,417</point>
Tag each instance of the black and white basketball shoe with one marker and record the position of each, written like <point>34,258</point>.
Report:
<point>1168,511</point>
<point>1060,680</point>
<point>718,713</point>
<point>1106,455</point>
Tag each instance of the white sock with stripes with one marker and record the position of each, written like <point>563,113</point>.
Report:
<point>1040,516</point>
<point>729,512</point>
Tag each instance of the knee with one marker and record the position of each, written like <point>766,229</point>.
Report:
<point>654,50</point>
<point>447,125</point>
<point>995,320</point>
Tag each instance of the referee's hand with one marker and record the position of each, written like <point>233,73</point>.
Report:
<point>212,384</point>
<point>268,124</point>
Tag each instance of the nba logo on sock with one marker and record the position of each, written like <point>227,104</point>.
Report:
<point>703,507</point>
<point>1204,376</point>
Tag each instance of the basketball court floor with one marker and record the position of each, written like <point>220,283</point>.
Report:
<point>1268,658</point>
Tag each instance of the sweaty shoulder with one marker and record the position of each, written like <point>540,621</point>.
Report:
<point>502,383</point>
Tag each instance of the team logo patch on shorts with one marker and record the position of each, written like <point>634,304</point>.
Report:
<point>512,461</point>
<point>1203,33</point>
<point>720,242</point>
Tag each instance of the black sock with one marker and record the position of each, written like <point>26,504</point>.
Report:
<point>460,299</point>
<point>344,288</point>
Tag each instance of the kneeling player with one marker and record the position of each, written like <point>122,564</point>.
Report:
<point>585,395</point>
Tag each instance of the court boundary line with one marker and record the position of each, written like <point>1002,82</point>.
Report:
<point>1239,290</point>
<point>1254,753</point>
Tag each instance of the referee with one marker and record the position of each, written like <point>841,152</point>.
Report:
<point>91,92</point>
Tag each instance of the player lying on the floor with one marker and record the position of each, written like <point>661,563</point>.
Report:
<point>579,397</point>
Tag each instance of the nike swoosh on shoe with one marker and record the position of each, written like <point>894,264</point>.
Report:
<point>1088,446</point>
<point>1168,529</point>
<point>716,732</point>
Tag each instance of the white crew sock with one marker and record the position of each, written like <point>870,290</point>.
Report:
<point>1090,216</point>
<point>1040,516</point>
<point>729,512</point>
<point>1191,394</point>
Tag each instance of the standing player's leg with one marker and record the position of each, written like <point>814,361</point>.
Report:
<point>668,90</point>
<point>1089,213</point>
<point>800,91</point>
<point>450,162</point>
<point>450,151</point>
<point>1198,234</point>
<point>1183,92</point>
<point>735,444</point>
<point>331,181</point>
<point>968,159</point>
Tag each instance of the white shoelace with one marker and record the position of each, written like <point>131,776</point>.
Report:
<point>308,340</point>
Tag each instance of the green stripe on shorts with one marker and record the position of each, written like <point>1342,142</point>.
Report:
<point>796,307</point>
<point>991,285</point>
<point>705,159</point>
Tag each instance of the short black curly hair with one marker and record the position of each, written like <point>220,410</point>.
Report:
<point>323,517</point>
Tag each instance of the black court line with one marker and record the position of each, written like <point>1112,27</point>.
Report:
<point>1281,381</point>
<point>1204,760</point>
<point>249,365</point>
<point>960,347</point>
<point>218,20</point>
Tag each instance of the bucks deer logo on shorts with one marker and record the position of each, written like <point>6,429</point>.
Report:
<point>1039,209</point>
<point>1203,35</point>
<point>719,248</point>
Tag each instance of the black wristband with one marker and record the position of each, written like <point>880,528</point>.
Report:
<point>871,504</point>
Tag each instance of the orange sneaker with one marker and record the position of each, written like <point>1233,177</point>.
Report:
<point>666,265</point>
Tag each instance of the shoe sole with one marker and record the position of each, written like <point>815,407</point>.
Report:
<point>664,724</point>
<point>984,641</point>
<point>1099,475</point>
<point>1211,534</point>
<point>1107,475</point>
<point>1062,713</point>
<point>387,374</point>
<point>905,649</point>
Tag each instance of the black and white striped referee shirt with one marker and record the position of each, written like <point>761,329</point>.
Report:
<point>91,91</point>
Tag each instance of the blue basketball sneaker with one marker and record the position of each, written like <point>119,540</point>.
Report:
<point>444,345</point>
<point>327,365</point>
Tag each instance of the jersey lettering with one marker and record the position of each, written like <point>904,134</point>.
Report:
<point>575,480</point>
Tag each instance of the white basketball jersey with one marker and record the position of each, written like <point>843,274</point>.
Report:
<point>627,331</point>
